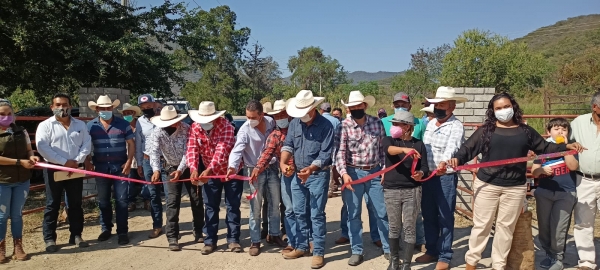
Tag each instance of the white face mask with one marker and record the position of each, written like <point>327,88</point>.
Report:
<point>253,123</point>
<point>504,115</point>
<point>282,123</point>
<point>348,115</point>
<point>305,118</point>
<point>207,126</point>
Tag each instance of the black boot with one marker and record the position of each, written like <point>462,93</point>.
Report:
<point>407,254</point>
<point>394,254</point>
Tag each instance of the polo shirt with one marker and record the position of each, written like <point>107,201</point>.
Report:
<point>584,131</point>
<point>110,144</point>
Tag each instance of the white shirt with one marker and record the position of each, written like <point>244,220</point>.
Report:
<point>444,141</point>
<point>57,144</point>
<point>143,130</point>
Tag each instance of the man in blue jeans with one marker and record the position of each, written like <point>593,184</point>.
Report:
<point>112,138</point>
<point>310,141</point>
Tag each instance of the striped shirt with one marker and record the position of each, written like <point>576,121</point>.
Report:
<point>110,144</point>
<point>444,141</point>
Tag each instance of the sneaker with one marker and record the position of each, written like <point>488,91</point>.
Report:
<point>105,235</point>
<point>355,260</point>
<point>557,265</point>
<point>51,246</point>
<point>123,240</point>
<point>78,241</point>
<point>546,262</point>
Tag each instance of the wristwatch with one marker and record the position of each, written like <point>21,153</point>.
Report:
<point>18,162</point>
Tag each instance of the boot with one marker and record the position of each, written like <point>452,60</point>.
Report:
<point>3,252</point>
<point>19,254</point>
<point>394,254</point>
<point>407,254</point>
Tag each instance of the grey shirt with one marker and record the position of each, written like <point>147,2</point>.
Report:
<point>249,144</point>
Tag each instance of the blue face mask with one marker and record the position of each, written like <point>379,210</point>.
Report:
<point>425,119</point>
<point>401,109</point>
<point>105,115</point>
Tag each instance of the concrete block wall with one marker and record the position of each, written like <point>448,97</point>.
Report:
<point>92,94</point>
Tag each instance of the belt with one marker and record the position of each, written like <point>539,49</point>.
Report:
<point>590,176</point>
<point>364,168</point>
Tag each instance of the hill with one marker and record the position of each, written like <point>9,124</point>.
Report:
<point>363,76</point>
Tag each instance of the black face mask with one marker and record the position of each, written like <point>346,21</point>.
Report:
<point>357,114</point>
<point>170,130</point>
<point>440,114</point>
<point>149,112</point>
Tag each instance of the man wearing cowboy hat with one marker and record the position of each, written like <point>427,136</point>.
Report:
<point>130,114</point>
<point>428,110</point>
<point>112,138</point>
<point>360,153</point>
<point>310,141</point>
<point>211,139</point>
<point>443,137</point>
<point>169,140</point>
<point>272,151</point>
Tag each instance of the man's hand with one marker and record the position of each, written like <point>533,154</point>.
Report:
<point>304,174</point>
<point>175,175</point>
<point>441,168</point>
<point>126,168</point>
<point>415,154</point>
<point>34,159</point>
<point>347,180</point>
<point>140,171</point>
<point>194,175</point>
<point>254,175</point>
<point>156,177</point>
<point>287,170</point>
<point>418,175</point>
<point>71,164</point>
<point>453,162</point>
<point>89,166</point>
<point>548,170</point>
<point>230,171</point>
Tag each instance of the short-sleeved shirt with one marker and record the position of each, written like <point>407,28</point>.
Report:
<point>110,144</point>
<point>418,131</point>
<point>562,178</point>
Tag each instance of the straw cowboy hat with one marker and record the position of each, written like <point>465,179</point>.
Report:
<point>168,116</point>
<point>356,98</point>
<point>103,102</point>
<point>129,107</point>
<point>445,93</point>
<point>206,113</point>
<point>428,109</point>
<point>267,107</point>
<point>300,105</point>
<point>278,106</point>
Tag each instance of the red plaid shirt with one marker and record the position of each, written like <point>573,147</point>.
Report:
<point>272,149</point>
<point>360,145</point>
<point>214,147</point>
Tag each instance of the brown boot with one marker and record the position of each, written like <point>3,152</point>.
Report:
<point>426,258</point>
<point>470,267</point>
<point>254,249</point>
<point>378,243</point>
<point>155,233</point>
<point>442,266</point>
<point>295,254</point>
<point>19,254</point>
<point>3,252</point>
<point>278,241</point>
<point>287,249</point>
<point>317,262</point>
<point>342,240</point>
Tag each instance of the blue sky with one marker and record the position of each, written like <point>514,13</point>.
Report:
<point>380,35</point>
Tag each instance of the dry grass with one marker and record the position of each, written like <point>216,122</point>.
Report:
<point>461,221</point>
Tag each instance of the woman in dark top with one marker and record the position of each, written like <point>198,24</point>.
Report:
<point>500,189</point>
<point>401,192</point>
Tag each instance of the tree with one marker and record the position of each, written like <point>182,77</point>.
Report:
<point>580,75</point>
<point>59,46</point>
<point>312,69</point>
<point>482,59</point>
<point>259,73</point>
<point>424,73</point>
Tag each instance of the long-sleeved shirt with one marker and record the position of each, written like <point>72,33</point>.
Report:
<point>585,132</point>
<point>505,143</point>
<point>444,141</point>
<point>143,130</point>
<point>249,143</point>
<point>214,146</point>
<point>360,145</point>
<point>272,149</point>
<point>310,144</point>
<point>173,148</point>
<point>401,176</point>
<point>58,145</point>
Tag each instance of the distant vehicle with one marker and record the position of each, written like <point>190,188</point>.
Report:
<point>181,105</point>
<point>238,121</point>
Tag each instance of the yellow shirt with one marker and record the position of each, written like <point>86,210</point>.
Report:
<point>585,132</point>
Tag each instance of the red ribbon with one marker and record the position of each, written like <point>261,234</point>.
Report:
<point>371,176</point>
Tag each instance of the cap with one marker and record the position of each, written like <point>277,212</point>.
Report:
<point>145,98</point>
<point>326,107</point>
<point>403,117</point>
<point>401,97</point>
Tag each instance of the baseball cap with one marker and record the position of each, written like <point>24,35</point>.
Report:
<point>401,96</point>
<point>326,107</point>
<point>145,98</point>
<point>403,117</point>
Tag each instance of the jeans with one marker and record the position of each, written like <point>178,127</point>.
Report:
<point>213,190</point>
<point>54,190</point>
<point>174,206</point>
<point>374,191</point>
<point>374,232</point>
<point>289,215</point>
<point>268,181</point>
<point>314,193</point>
<point>12,200</point>
<point>265,214</point>
<point>154,194</point>
<point>136,189</point>
<point>437,205</point>
<point>420,230</point>
<point>120,187</point>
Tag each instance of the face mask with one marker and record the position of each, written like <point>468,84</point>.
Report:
<point>440,114</point>
<point>305,118</point>
<point>128,118</point>
<point>105,115</point>
<point>207,126</point>
<point>170,130</point>
<point>348,115</point>
<point>253,123</point>
<point>400,109</point>
<point>60,112</point>
<point>282,123</point>
<point>149,112</point>
<point>504,115</point>
<point>396,132</point>
<point>5,121</point>
<point>358,114</point>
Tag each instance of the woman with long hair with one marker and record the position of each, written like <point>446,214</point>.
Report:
<point>16,158</point>
<point>500,190</point>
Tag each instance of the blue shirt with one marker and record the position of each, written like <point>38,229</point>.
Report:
<point>249,144</point>
<point>562,178</point>
<point>310,145</point>
<point>110,144</point>
<point>334,121</point>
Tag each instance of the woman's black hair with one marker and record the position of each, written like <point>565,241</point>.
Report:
<point>489,124</point>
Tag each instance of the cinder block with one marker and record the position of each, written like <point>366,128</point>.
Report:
<point>490,90</point>
<point>482,98</point>
<point>91,181</point>
<point>111,91</point>
<point>460,105</point>
<point>469,133</point>
<point>474,105</point>
<point>89,186</point>
<point>468,97</point>
<point>481,112</point>
<point>465,112</point>
<point>473,119</point>
<point>474,90</point>
<point>460,90</point>
<point>460,118</point>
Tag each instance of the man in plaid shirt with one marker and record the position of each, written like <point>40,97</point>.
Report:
<point>211,138</point>
<point>361,153</point>
<point>443,137</point>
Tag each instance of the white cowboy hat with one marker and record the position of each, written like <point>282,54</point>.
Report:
<point>278,107</point>
<point>129,107</point>
<point>267,107</point>
<point>445,93</point>
<point>300,105</point>
<point>168,116</point>
<point>103,102</point>
<point>206,113</point>
<point>356,98</point>
<point>428,109</point>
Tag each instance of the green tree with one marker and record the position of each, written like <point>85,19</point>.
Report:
<point>482,59</point>
<point>424,73</point>
<point>580,75</point>
<point>312,69</point>
<point>23,99</point>
<point>259,73</point>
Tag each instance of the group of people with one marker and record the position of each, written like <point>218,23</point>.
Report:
<point>290,151</point>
